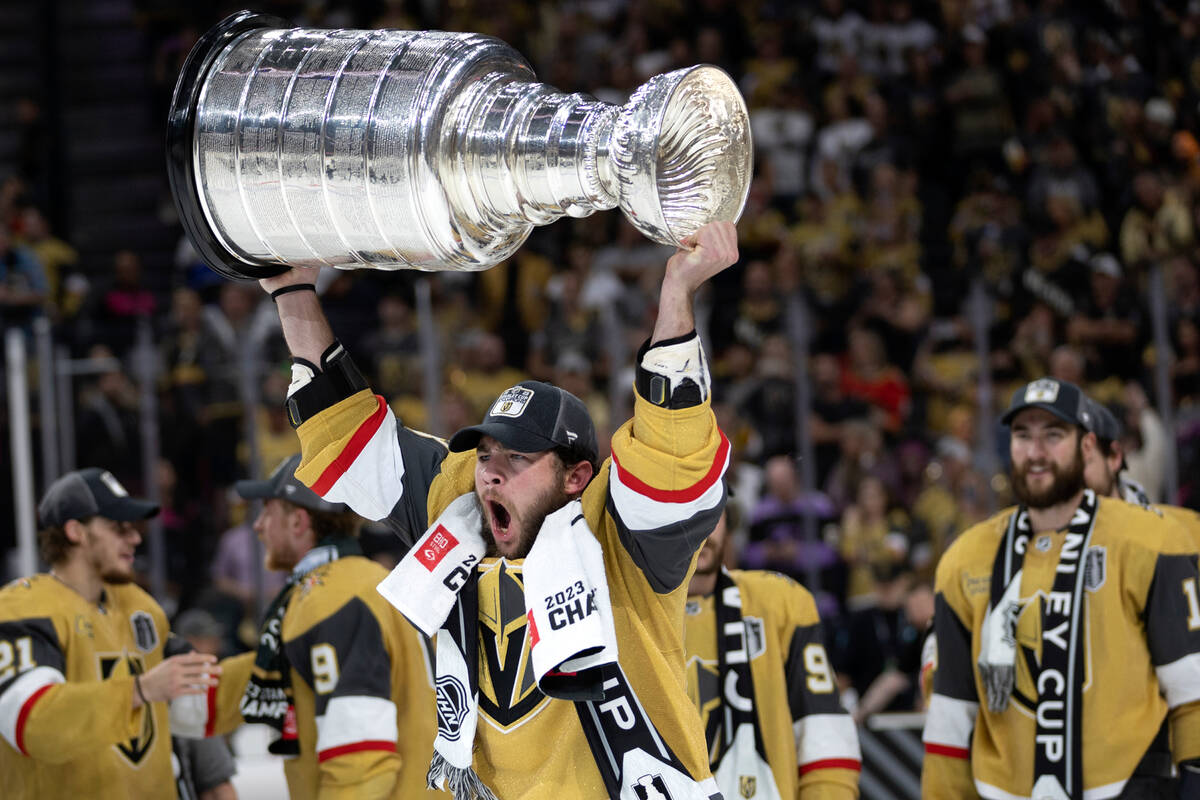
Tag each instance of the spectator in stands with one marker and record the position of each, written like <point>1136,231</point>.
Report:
<point>868,376</point>
<point>106,429</point>
<point>874,535</point>
<point>976,100</point>
<point>1107,325</point>
<point>24,289</point>
<point>119,303</point>
<point>779,536</point>
<point>1157,225</point>
<point>55,255</point>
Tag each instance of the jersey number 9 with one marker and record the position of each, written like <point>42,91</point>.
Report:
<point>324,668</point>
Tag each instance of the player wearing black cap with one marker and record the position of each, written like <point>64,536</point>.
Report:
<point>82,673</point>
<point>1066,653</point>
<point>342,679</point>
<point>555,584</point>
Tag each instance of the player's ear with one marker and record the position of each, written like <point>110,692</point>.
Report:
<point>75,530</point>
<point>576,477</point>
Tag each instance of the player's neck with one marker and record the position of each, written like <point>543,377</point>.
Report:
<point>78,575</point>
<point>702,584</point>
<point>1055,517</point>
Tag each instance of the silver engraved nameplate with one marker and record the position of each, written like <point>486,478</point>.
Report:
<point>397,149</point>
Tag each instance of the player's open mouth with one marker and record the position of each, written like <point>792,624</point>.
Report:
<point>500,519</point>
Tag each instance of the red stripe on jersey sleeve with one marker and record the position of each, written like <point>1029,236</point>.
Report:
<point>831,763</point>
<point>679,495</point>
<point>353,448</point>
<point>23,715</point>
<point>947,750</point>
<point>355,747</point>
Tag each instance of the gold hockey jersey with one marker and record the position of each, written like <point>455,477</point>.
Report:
<point>651,507</point>
<point>362,684</point>
<point>1141,651</point>
<point>811,742</point>
<point>66,690</point>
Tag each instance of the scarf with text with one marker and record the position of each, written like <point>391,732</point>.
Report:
<point>1058,674</point>
<point>268,697</point>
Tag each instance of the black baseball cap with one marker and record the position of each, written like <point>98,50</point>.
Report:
<point>91,492</point>
<point>531,417</point>
<point>282,484</point>
<point>1063,399</point>
<point>1106,426</point>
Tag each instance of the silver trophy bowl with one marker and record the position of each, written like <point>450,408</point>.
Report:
<point>429,150</point>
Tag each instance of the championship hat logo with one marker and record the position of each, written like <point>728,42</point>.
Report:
<point>1042,391</point>
<point>512,402</point>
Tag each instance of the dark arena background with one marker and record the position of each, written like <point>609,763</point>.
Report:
<point>950,199</point>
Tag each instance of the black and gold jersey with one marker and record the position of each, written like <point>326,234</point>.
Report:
<point>811,742</point>
<point>363,689</point>
<point>66,693</point>
<point>650,506</point>
<point>1141,656</point>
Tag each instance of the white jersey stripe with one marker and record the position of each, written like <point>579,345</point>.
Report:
<point>18,692</point>
<point>822,737</point>
<point>348,720</point>
<point>371,483</point>
<point>641,513</point>
<point>950,722</point>
<point>1180,680</point>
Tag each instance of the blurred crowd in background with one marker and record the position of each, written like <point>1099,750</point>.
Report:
<point>957,194</point>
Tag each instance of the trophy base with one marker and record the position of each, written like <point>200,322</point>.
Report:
<point>181,126</point>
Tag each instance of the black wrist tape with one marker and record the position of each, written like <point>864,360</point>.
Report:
<point>337,379</point>
<point>657,388</point>
<point>295,287</point>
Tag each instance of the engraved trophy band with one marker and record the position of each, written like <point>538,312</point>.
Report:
<point>391,149</point>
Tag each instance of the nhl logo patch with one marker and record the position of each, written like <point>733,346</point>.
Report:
<point>1094,568</point>
<point>747,785</point>
<point>512,402</point>
<point>451,707</point>
<point>1043,390</point>
<point>145,635</point>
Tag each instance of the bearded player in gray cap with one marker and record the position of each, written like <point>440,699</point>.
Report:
<point>1066,654</point>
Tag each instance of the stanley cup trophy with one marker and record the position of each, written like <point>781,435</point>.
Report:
<point>396,149</point>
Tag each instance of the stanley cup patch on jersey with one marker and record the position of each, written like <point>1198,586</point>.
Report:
<point>145,635</point>
<point>512,402</point>
<point>1094,568</point>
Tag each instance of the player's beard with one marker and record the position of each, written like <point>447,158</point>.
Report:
<point>116,573</point>
<point>1066,483</point>
<point>532,517</point>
